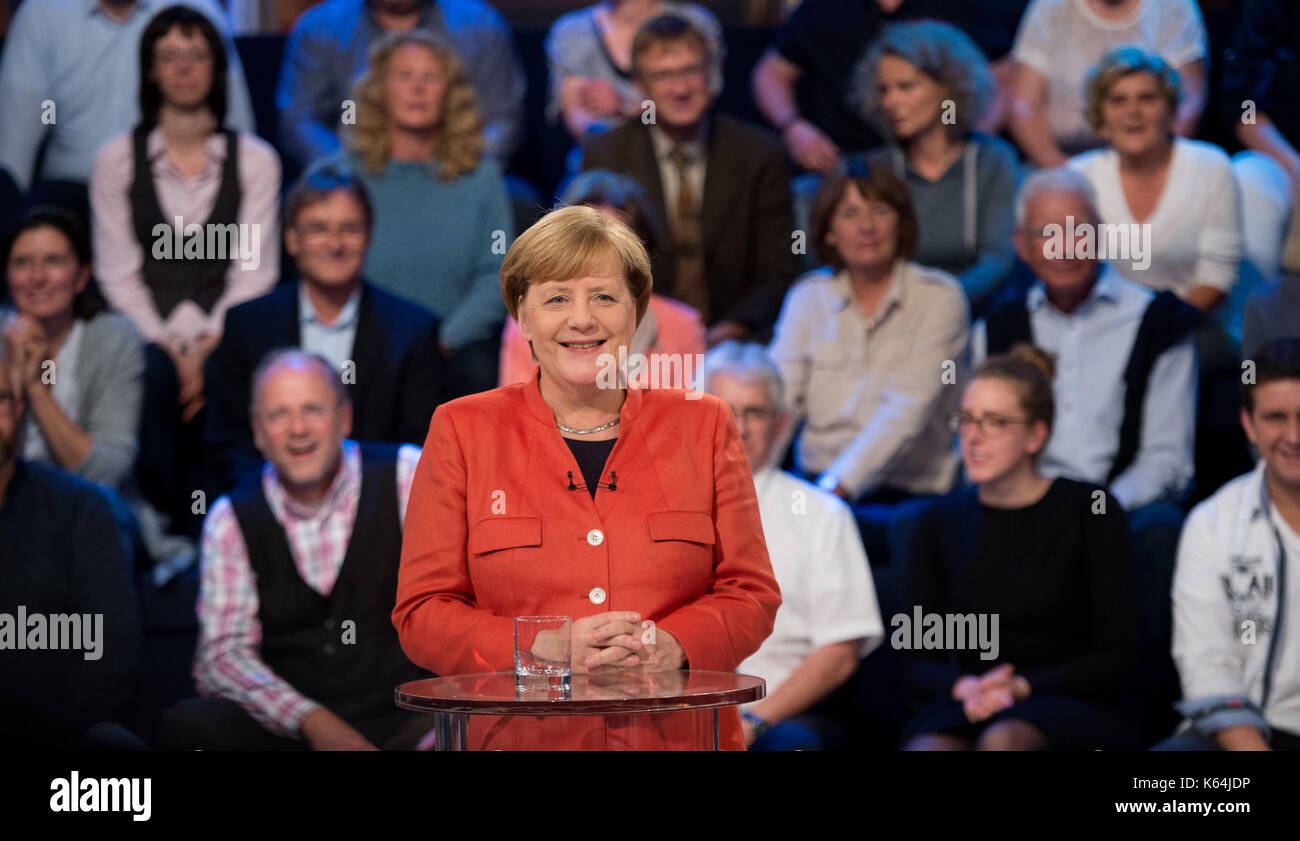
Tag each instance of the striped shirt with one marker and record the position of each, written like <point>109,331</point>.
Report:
<point>227,663</point>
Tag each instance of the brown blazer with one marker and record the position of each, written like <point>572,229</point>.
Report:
<point>747,216</point>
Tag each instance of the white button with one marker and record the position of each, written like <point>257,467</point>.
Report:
<point>596,595</point>
<point>595,537</point>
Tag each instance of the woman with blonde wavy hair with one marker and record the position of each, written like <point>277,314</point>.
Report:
<point>442,214</point>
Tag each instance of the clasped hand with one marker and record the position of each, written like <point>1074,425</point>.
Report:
<point>990,693</point>
<point>611,642</point>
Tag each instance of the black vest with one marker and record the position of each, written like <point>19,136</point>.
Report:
<point>176,280</point>
<point>1166,321</point>
<point>303,632</point>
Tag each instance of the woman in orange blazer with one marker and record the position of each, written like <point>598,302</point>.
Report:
<point>568,495</point>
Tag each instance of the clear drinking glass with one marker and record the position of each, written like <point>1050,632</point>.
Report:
<point>542,645</point>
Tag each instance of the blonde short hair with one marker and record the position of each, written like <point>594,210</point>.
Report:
<point>572,242</point>
<point>1123,61</point>
<point>460,136</point>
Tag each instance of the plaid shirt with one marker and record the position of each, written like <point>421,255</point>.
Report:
<point>227,663</point>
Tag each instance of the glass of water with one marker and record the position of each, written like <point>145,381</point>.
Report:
<point>542,645</point>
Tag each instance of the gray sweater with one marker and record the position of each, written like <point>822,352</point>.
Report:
<point>1271,313</point>
<point>110,388</point>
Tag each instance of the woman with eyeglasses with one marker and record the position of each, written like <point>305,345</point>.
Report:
<point>185,223</point>
<point>1043,565</point>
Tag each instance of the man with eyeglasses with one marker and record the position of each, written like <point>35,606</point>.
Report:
<point>829,619</point>
<point>296,649</point>
<point>384,348</point>
<point>723,186</point>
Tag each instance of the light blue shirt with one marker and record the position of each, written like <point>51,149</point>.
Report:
<point>1091,347</point>
<point>332,341</point>
<point>71,57</point>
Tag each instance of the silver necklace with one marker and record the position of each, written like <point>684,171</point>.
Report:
<point>600,428</point>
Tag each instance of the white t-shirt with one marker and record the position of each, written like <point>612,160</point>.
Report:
<point>1195,235</point>
<point>820,565</point>
<point>1063,39</point>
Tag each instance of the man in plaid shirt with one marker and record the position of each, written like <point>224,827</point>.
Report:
<point>296,648</point>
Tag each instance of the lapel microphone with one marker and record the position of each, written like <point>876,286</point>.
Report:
<point>612,485</point>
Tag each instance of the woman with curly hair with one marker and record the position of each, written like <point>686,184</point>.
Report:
<point>442,215</point>
<point>926,85</point>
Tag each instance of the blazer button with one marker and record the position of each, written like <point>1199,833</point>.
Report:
<point>328,649</point>
<point>596,595</point>
<point>595,537</point>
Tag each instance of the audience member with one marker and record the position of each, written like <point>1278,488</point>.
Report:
<point>1261,73</point>
<point>329,49</point>
<point>668,327</point>
<point>63,555</point>
<point>722,184</point>
<point>865,345</point>
<point>184,211</point>
<point>927,86</point>
<point>1047,560</point>
<point>80,370</point>
<point>70,75</point>
<point>78,367</point>
<point>442,215</point>
<point>828,619</point>
<point>1126,389</point>
<point>384,348</point>
<point>1232,642</point>
<point>801,82</point>
<point>1147,176</point>
<point>1059,40</point>
<point>296,649</point>
<point>589,55</point>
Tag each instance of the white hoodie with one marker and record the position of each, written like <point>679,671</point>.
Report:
<point>1233,587</point>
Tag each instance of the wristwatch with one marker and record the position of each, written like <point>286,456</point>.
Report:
<point>828,482</point>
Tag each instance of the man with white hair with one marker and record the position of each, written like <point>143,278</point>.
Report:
<point>1125,384</point>
<point>829,619</point>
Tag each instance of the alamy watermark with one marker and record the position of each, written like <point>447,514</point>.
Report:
<point>658,370</point>
<point>1104,241</point>
<point>107,794</point>
<point>213,241</point>
<point>23,631</point>
<point>920,631</point>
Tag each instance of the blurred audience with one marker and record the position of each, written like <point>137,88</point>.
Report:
<point>828,619</point>
<point>296,649</point>
<point>70,74</point>
<point>668,326</point>
<point>589,55</point>
<point>1046,559</point>
<point>866,346</point>
<point>442,215</point>
<point>926,85</point>
<point>64,554</point>
<point>1147,175</point>
<point>1059,40</point>
<point>329,49</point>
<point>384,348</point>
<point>1241,689</point>
<point>1272,313</point>
<point>723,185</point>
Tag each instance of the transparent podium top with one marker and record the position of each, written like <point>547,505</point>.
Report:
<point>628,692</point>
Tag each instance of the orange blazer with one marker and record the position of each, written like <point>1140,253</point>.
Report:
<point>492,532</point>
